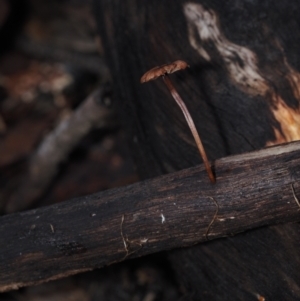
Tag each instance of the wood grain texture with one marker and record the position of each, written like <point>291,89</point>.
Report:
<point>163,213</point>
<point>237,255</point>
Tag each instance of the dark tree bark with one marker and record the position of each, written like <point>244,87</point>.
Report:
<point>242,90</point>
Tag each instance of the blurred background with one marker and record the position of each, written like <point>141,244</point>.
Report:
<point>60,137</point>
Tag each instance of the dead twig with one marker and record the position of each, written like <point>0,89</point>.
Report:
<point>94,112</point>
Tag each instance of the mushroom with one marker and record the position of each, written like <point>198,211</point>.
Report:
<point>163,71</point>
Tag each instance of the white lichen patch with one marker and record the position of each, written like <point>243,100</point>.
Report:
<point>242,67</point>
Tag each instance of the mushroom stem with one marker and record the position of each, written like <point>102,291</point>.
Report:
<point>191,124</point>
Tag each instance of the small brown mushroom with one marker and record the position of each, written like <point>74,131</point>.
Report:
<point>156,72</point>
<point>163,71</point>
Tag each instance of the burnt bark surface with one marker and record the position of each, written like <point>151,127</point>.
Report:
<point>242,91</point>
<point>237,255</point>
<point>172,211</point>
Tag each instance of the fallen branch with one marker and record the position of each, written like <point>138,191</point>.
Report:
<point>94,112</point>
<point>176,210</point>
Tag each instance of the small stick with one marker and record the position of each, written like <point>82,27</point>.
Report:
<point>57,145</point>
<point>163,71</point>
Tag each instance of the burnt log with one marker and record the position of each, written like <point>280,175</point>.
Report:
<point>243,91</point>
<point>171,211</point>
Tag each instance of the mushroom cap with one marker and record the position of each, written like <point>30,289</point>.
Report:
<point>158,71</point>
